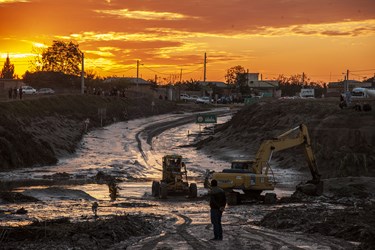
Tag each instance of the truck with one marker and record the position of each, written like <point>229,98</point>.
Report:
<point>357,99</point>
<point>249,178</point>
<point>362,93</point>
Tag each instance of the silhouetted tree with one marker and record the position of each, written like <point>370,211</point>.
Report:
<point>62,57</point>
<point>235,75</point>
<point>8,70</point>
<point>292,85</point>
<point>35,64</point>
<point>190,85</point>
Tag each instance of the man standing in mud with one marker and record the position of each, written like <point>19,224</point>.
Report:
<point>217,205</point>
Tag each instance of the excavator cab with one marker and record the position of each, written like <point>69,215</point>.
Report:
<point>241,166</point>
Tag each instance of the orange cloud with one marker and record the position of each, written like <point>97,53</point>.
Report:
<point>145,15</point>
<point>270,36</point>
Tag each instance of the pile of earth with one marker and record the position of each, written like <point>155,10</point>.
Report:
<point>356,224</point>
<point>343,140</point>
<point>101,233</point>
<point>345,211</point>
<point>38,131</point>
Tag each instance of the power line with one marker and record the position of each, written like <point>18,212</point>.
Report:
<point>155,70</point>
<point>193,71</point>
<point>360,70</point>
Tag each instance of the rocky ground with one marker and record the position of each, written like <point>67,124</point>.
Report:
<point>343,141</point>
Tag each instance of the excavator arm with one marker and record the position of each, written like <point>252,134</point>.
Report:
<point>255,179</point>
<point>282,142</point>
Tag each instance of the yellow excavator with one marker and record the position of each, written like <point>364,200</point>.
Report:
<point>250,177</point>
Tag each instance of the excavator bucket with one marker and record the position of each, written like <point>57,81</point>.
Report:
<point>311,188</point>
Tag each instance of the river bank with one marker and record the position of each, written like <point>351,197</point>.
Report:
<point>38,131</point>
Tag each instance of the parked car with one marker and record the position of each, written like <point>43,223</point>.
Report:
<point>225,100</point>
<point>28,90</point>
<point>203,100</point>
<point>46,91</point>
<point>193,98</point>
<point>184,97</point>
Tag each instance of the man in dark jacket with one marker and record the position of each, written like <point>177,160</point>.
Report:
<point>217,205</point>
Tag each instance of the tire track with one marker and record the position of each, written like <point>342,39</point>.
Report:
<point>156,129</point>
<point>182,233</point>
<point>277,239</point>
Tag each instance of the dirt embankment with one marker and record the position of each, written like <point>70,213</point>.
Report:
<point>102,233</point>
<point>343,140</point>
<point>39,130</point>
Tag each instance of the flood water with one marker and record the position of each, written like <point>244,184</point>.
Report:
<point>120,150</point>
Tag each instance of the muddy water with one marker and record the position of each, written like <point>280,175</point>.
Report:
<point>120,150</point>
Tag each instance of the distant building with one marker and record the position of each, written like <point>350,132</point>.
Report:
<point>132,80</point>
<point>253,81</point>
<point>133,83</point>
<point>213,83</point>
<point>6,84</point>
<point>266,87</point>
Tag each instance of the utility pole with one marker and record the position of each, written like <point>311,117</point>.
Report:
<point>247,77</point>
<point>181,76</point>
<point>205,62</point>
<point>137,72</point>
<point>347,81</point>
<point>303,79</point>
<point>83,75</point>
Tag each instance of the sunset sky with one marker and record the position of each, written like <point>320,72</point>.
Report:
<point>322,38</point>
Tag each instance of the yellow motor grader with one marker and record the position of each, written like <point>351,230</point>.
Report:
<point>250,177</point>
<point>174,179</point>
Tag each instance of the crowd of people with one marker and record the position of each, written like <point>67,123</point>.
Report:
<point>114,91</point>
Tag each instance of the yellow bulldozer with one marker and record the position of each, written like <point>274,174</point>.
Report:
<point>174,179</point>
<point>248,178</point>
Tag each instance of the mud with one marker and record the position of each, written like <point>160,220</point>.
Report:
<point>40,131</point>
<point>343,140</point>
<point>100,233</point>
<point>342,218</point>
<point>355,223</point>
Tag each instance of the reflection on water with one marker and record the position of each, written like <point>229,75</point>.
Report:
<point>114,150</point>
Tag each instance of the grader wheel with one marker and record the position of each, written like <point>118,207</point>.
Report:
<point>193,190</point>
<point>155,188</point>
<point>163,191</point>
